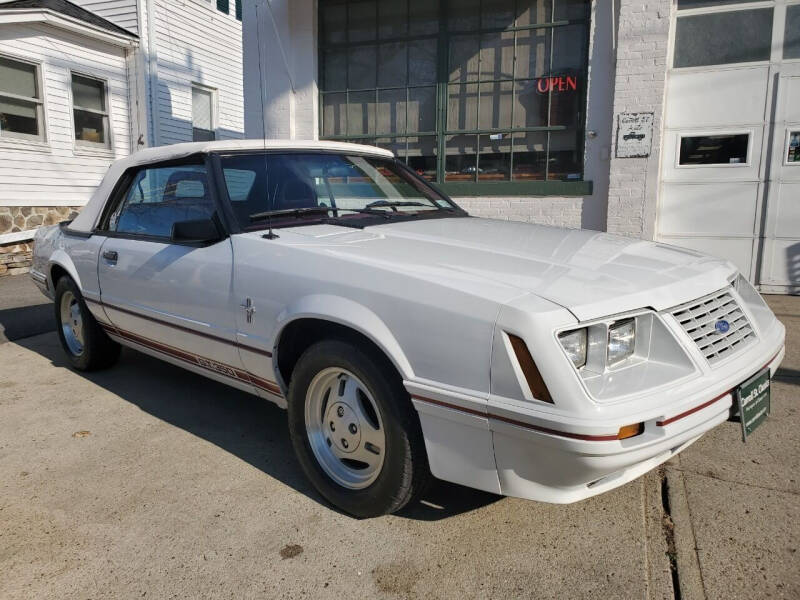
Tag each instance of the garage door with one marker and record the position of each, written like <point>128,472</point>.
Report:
<point>730,173</point>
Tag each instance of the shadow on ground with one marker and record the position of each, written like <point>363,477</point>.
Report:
<point>24,321</point>
<point>244,425</point>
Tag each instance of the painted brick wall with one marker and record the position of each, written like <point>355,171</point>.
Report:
<point>642,45</point>
<point>545,210</point>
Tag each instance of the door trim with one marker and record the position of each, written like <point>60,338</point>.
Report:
<point>203,334</point>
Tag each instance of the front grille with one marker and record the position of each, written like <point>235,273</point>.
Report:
<point>699,318</point>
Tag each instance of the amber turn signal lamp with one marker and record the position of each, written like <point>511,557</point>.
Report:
<point>532,376</point>
<point>629,431</point>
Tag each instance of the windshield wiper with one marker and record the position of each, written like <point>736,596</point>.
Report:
<point>290,211</point>
<point>313,210</point>
<point>390,204</point>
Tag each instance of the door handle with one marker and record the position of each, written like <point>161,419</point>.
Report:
<point>111,255</point>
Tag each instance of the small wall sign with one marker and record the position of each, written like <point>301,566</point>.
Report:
<point>634,135</point>
<point>793,155</point>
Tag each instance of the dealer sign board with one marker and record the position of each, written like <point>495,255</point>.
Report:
<point>634,135</point>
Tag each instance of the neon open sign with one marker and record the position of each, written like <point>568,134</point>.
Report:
<point>560,83</point>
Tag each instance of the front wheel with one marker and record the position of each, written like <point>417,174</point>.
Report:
<point>354,430</point>
<point>86,344</point>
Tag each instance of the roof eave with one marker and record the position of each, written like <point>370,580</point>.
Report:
<point>50,17</point>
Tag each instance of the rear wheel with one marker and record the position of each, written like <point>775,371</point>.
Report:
<point>86,344</point>
<point>355,431</point>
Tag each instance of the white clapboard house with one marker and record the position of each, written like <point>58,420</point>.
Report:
<point>85,82</point>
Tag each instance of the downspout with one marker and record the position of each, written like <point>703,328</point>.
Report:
<point>152,71</point>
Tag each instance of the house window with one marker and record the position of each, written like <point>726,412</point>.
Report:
<point>223,6</point>
<point>90,111</point>
<point>463,91</point>
<point>21,108</point>
<point>203,127</point>
<point>238,7</point>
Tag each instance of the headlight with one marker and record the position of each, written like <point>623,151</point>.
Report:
<point>574,343</point>
<point>621,341</point>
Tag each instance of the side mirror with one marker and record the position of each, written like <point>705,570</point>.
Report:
<point>197,230</point>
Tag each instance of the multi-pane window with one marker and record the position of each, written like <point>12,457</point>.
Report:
<point>21,112</point>
<point>467,90</point>
<point>203,128</point>
<point>89,110</point>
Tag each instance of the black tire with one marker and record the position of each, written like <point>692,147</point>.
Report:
<point>404,472</point>
<point>99,351</point>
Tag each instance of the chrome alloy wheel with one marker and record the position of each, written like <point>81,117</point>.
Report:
<point>72,323</point>
<point>344,428</point>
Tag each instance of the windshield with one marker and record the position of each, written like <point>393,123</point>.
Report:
<point>290,189</point>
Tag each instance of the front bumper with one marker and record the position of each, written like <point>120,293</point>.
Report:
<point>515,451</point>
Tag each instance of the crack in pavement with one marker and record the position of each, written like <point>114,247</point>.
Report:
<point>718,478</point>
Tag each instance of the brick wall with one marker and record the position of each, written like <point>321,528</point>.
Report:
<point>545,210</point>
<point>15,257</point>
<point>642,45</point>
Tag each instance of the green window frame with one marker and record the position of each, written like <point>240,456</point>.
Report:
<point>412,75</point>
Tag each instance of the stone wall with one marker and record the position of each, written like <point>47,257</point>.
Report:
<point>15,257</point>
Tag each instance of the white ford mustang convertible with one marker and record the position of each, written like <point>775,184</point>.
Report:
<point>406,338</point>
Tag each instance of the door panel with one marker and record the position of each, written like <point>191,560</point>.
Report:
<point>703,99</point>
<point>712,209</point>
<point>175,296</point>
<point>780,268</point>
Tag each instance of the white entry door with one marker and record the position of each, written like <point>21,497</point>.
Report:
<point>732,98</point>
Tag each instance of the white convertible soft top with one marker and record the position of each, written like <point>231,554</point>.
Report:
<point>87,219</point>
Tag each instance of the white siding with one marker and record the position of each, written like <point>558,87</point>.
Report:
<point>119,12</point>
<point>197,43</point>
<point>59,174</point>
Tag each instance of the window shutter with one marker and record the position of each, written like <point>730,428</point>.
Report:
<point>223,6</point>
<point>238,4</point>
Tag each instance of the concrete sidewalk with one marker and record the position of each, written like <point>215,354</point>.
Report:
<point>736,507</point>
<point>147,480</point>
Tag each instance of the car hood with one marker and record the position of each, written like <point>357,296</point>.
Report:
<point>592,274</point>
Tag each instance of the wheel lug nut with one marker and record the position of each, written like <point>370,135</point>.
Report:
<point>353,428</point>
<point>340,411</point>
<point>333,427</point>
<point>345,445</point>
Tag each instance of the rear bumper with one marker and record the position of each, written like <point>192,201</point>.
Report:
<point>475,444</point>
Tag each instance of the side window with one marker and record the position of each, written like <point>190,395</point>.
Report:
<point>161,196</point>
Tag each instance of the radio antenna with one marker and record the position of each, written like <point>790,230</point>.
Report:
<point>261,89</point>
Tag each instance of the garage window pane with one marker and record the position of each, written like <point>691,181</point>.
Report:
<point>729,149</point>
<point>461,158</point>
<point>421,156</point>
<point>723,38</point>
<point>494,159</point>
<point>791,40</point>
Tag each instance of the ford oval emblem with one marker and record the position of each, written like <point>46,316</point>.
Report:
<point>722,326</point>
